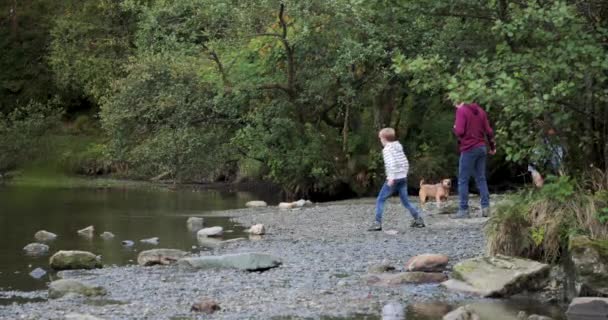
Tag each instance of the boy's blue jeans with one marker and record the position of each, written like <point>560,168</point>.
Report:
<point>473,163</point>
<point>386,192</point>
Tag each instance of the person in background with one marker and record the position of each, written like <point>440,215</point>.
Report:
<point>476,140</point>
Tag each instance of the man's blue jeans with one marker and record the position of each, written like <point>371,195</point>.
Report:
<point>386,192</point>
<point>473,163</point>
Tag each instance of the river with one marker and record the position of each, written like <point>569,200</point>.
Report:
<point>130,213</point>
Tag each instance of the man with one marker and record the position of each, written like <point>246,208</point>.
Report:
<point>475,138</point>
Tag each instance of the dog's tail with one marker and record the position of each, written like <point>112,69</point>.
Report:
<point>421,182</point>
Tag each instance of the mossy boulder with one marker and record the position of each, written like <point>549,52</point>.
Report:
<point>67,260</point>
<point>59,288</point>
<point>590,260</point>
<point>501,276</point>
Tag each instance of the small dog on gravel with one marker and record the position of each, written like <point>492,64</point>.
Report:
<point>438,191</point>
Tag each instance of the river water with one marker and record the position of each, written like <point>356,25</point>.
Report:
<point>131,214</point>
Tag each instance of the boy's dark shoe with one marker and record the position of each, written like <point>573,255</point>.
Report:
<point>462,214</point>
<point>417,223</point>
<point>377,226</point>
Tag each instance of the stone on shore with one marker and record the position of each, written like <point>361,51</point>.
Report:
<point>256,204</point>
<point>588,308</point>
<point>59,288</point>
<point>394,279</point>
<point>78,316</point>
<point>206,305</point>
<point>257,229</point>
<point>36,249</point>
<point>380,268</point>
<point>462,313</point>
<point>87,232</point>
<point>160,257</point>
<point>45,236</point>
<point>427,263</point>
<point>590,260</point>
<point>67,260</point>
<point>241,261</point>
<point>107,235</point>
<point>286,205</point>
<point>154,241</point>
<point>210,232</point>
<point>216,243</point>
<point>501,276</point>
<point>195,223</point>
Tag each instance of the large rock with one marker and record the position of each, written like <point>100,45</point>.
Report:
<point>257,229</point>
<point>36,249</point>
<point>59,288</point>
<point>588,309</point>
<point>241,261</point>
<point>45,236</point>
<point>501,276</point>
<point>160,256</point>
<point>462,313</point>
<point>210,232</point>
<point>78,316</point>
<point>256,204</point>
<point>87,232</point>
<point>206,305</point>
<point>66,260</point>
<point>427,263</point>
<point>195,223</point>
<point>590,260</point>
<point>394,279</point>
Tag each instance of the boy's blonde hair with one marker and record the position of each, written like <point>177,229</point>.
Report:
<point>388,134</point>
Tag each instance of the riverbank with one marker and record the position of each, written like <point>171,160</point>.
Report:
<point>326,253</point>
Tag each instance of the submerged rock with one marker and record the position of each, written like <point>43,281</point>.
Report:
<point>210,232</point>
<point>590,260</point>
<point>195,223</point>
<point>588,308</point>
<point>127,243</point>
<point>462,313</point>
<point>206,305</point>
<point>59,288</point>
<point>153,241</point>
<point>87,232</point>
<point>37,273</point>
<point>160,256</point>
<point>66,260</point>
<point>500,276</point>
<point>257,229</point>
<point>36,249</point>
<point>45,236</point>
<point>107,235</point>
<point>256,204</point>
<point>241,261</point>
<point>427,263</point>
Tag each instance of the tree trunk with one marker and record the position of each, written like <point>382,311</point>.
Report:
<point>14,21</point>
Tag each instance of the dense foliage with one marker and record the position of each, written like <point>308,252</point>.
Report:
<point>295,91</point>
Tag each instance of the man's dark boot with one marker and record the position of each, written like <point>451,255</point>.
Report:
<point>417,223</point>
<point>377,226</point>
<point>462,214</point>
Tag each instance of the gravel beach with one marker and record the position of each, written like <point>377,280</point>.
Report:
<point>325,250</point>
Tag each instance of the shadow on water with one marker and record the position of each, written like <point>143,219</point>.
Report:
<point>131,214</point>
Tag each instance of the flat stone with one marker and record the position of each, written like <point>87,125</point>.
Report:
<point>461,286</point>
<point>59,288</point>
<point>210,232</point>
<point>427,263</point>
<point>394,279</point>
<point>153,241</point>
<point>195,224</point>
<point>36,249</point>
<point>286,205</point>
<point>256,204</point>
<point>501,276</point>
<point>160,257</point>
<point>45,236</point>
<point>37,273</point>
<point>588,308</point>
<point>78,316</point>
<point>216,243</point>
<point>65,260</point>
<point>241,261</point>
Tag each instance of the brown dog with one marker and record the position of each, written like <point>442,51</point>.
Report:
<point>439,191</point>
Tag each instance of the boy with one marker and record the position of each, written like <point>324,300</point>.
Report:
<point>396,166</point>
